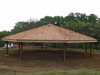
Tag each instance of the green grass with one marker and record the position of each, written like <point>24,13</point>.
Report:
<point>1,48</point>
<point>81,49</point>
<point>30,47</point>
<point>59,73</point>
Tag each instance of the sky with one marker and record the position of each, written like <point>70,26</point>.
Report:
<point>12,11</point>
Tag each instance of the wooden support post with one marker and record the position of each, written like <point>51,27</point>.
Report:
<point>41,46</point>
<point>19,46</point>
<point>21,51</point>
<point>7,47</point>
<point>86,48</point>
<point>91,50</point>
<point>65,47</point>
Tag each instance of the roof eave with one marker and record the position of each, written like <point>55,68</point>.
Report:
<point>50,41</point>
<point>13,40</point>
<point>81,41</point>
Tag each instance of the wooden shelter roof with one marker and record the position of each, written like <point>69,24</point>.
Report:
<point>49,33</point>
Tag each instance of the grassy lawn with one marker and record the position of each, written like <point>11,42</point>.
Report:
<point>83,49</point>
<point>59,73</point>
<point>30,47</point>
<point>26,47</point>
<point>1,48</point>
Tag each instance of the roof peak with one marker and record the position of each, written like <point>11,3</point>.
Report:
<point>49,24</point>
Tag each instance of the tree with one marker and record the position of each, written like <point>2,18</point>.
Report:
<point>97,34</point>
<point>17,27</point>
<point>58,20</point>
<point>92,18</point>
<point>3,34</point>
<point>70,17</point>
<point>76,17</point>
<point>23,26</point>
<point>81,27</point>
<point>47,20</point>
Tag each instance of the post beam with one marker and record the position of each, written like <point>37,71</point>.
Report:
<point>7,47</point>
<point>41,46</point>
<point>90,49</point>
<point>65,49</point>
<point>86,48</point>
<point>21,51</point>
<point>19,46</point>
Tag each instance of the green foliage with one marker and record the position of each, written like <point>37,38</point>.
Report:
<point>76,17</point>
<point>97,34</point>
<point>59,73</point>
<point>92,18</point>
<point>56,20</point>
<point>78,22</point>
<point>3,34</point>
<point>22,26</point>
<point>1,48</point>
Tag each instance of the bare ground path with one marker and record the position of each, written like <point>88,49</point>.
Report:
<point>48,60</point>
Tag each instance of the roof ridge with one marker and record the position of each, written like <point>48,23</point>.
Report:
<point>33,31</point>
<point>59,32</point>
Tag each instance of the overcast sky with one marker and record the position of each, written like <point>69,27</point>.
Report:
<point>12,11</point>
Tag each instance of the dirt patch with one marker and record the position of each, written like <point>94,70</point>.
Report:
<point>47,60</point>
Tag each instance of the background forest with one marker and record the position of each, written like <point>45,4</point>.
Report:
<point>78,22</point>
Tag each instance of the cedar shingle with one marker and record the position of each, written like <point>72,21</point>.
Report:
<point>49,33</point>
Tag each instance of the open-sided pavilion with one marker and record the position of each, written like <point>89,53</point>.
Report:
<point>51,34</point>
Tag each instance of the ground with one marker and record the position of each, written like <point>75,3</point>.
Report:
<point>48,60</point>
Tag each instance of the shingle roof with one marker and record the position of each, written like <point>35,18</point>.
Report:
<point>49,33</point>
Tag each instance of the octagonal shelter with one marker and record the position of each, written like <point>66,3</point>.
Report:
<point>51,34</point>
